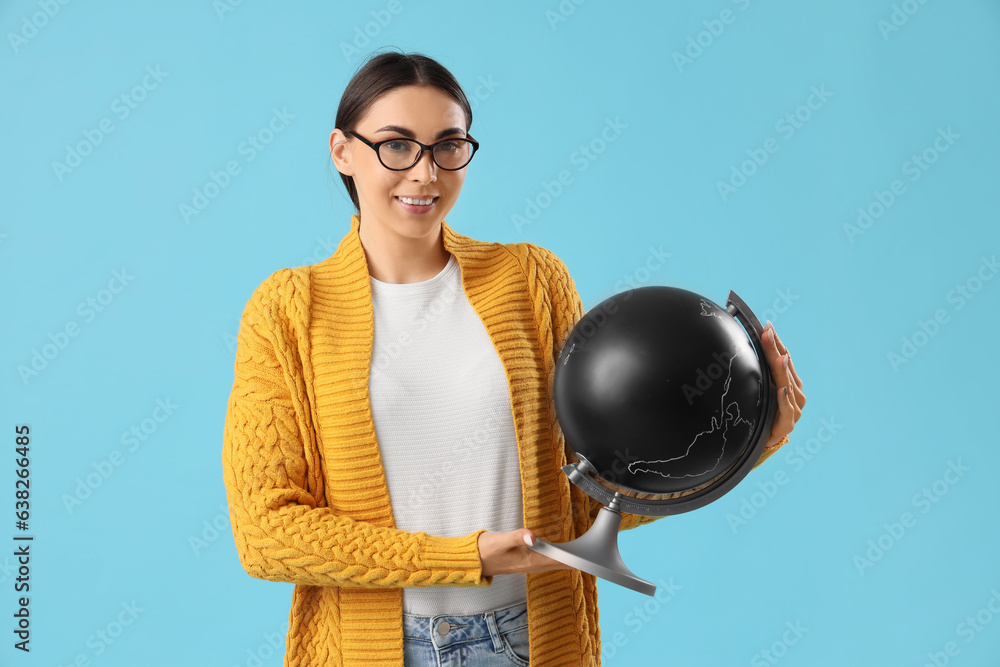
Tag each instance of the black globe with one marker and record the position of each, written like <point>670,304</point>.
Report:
<point>664,393</point>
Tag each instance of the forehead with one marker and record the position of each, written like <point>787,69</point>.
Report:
<point>420,108</point>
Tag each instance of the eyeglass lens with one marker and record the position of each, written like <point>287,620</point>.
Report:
<point>402,153</point>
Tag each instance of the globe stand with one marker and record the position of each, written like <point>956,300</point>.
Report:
<point>596,551</point>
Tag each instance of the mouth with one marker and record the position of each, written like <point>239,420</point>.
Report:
<point>417,204</point>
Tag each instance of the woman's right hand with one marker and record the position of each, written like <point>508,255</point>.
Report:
<point>508,553</point>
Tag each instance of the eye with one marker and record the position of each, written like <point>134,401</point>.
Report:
<point>450,146</point>
<point>397,145</point>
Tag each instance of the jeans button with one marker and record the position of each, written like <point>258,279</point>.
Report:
<point>443,627</point>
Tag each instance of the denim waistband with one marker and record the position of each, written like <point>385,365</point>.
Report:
<point>446,629</point>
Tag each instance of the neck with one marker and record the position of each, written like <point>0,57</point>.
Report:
<point>395,258</point>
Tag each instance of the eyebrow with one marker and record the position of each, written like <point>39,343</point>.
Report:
<point>412,135</point>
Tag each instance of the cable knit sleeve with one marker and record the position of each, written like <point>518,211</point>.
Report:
<point>271,472</point>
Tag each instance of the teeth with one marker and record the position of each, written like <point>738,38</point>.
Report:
<point>416,202</point>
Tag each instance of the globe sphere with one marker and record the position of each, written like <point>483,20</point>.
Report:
<point>664,393</point>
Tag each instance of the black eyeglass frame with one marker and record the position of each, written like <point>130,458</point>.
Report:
<point>423,147</point>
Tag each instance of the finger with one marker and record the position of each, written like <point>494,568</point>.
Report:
<point>789,379</point>
<point>795,375</point>
<point>794,393</point>
<point>784,421</point>
<point>779,371</point>
<point>793,403</point>
<point>791,399</point>
<point>798,398</point>
<point>782,372</point>
<point>792,380</point>
<point>796,387</point>
<point>781,346</point>
<point>772,353</point>
<point>783,351</point>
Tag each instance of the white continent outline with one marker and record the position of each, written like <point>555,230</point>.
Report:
<point>723,420</point>
<point>709,309</point>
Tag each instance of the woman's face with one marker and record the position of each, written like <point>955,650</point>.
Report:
<point>424,113</point>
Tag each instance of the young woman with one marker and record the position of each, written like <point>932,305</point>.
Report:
<point>390,443</point>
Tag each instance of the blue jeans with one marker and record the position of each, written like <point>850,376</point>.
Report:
<point>498,637</point>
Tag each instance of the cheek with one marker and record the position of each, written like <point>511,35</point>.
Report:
<point>380,184</point>
<point>456,181</point>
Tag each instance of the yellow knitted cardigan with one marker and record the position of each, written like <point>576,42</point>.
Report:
<point>306,489</point>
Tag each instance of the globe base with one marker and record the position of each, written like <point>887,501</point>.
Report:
<point>596,551</point>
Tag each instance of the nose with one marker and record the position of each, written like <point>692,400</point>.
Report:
<point>425,170</point>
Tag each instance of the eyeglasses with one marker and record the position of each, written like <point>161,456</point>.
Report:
<point>401,154</point>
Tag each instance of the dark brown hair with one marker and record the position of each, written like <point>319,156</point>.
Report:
<point>384,72</point>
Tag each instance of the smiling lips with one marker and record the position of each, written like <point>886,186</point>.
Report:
<point>417,201</point>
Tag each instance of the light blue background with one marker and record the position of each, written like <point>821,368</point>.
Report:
<point>841,305</point>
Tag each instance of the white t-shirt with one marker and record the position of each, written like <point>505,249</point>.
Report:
<point>441,406</point>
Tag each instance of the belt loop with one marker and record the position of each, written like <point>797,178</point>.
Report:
<point>491,623</point>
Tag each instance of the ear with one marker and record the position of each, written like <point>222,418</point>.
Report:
<point>340,151</point>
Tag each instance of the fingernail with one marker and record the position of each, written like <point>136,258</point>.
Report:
<point>787,357</point>
<point>529,541</point>
<point>784,392</point>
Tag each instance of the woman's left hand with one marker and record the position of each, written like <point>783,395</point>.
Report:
<point>791,400</point>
